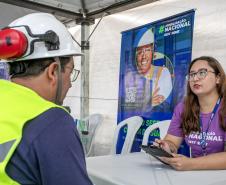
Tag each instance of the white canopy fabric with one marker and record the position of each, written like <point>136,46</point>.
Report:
<point>71,10</point>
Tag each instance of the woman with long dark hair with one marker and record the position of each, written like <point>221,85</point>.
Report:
<point>200,119</point>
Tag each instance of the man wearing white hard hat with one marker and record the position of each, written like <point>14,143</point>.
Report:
<point>39,143</point>
<point>158,84</point>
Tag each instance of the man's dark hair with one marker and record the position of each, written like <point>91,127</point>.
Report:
<point>34,67</point>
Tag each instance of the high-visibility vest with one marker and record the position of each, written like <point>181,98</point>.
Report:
<point>18,105</point>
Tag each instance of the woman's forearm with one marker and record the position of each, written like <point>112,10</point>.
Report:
<point>215,161</point>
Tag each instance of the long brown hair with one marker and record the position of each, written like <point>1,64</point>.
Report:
<point>190,115</point>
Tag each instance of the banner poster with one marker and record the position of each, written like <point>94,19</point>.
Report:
<point>153,65</point>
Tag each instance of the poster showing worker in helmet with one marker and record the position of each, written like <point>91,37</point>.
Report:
<point>154,61</point>
<point>156,81</point>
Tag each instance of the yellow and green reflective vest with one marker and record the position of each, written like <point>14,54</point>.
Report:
<point>18,105</point>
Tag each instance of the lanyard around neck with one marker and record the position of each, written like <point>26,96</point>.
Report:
<point>204,133</point>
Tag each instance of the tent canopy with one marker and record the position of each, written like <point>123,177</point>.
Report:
<point>78,10</point>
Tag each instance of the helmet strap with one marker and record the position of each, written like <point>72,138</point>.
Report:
<point>59,82</point>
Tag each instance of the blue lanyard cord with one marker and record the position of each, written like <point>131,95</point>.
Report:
<point>204,133</point>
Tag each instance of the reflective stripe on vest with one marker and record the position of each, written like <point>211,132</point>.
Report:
<point>4,149</point>
<point>18,105</point>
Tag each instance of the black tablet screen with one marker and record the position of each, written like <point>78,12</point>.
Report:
<point>156,152</point>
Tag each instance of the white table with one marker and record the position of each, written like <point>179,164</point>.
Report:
<point>141,169</point>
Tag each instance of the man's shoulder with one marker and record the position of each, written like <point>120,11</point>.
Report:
<point>50,142</point>
<point>53,117</point>
<point>53,114</point>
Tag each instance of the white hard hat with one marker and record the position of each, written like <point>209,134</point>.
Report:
<point>147,38</point>
<point>41,23</point>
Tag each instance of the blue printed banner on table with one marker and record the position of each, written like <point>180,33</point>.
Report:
<point>154,61</point>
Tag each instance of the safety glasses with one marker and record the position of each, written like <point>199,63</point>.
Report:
<point>74,74</point>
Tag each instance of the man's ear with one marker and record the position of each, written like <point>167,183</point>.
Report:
<point>52,72</point>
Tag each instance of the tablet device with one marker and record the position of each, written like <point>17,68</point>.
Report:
<point>156,152</point>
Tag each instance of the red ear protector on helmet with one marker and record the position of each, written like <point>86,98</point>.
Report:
<point>14,43</point>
